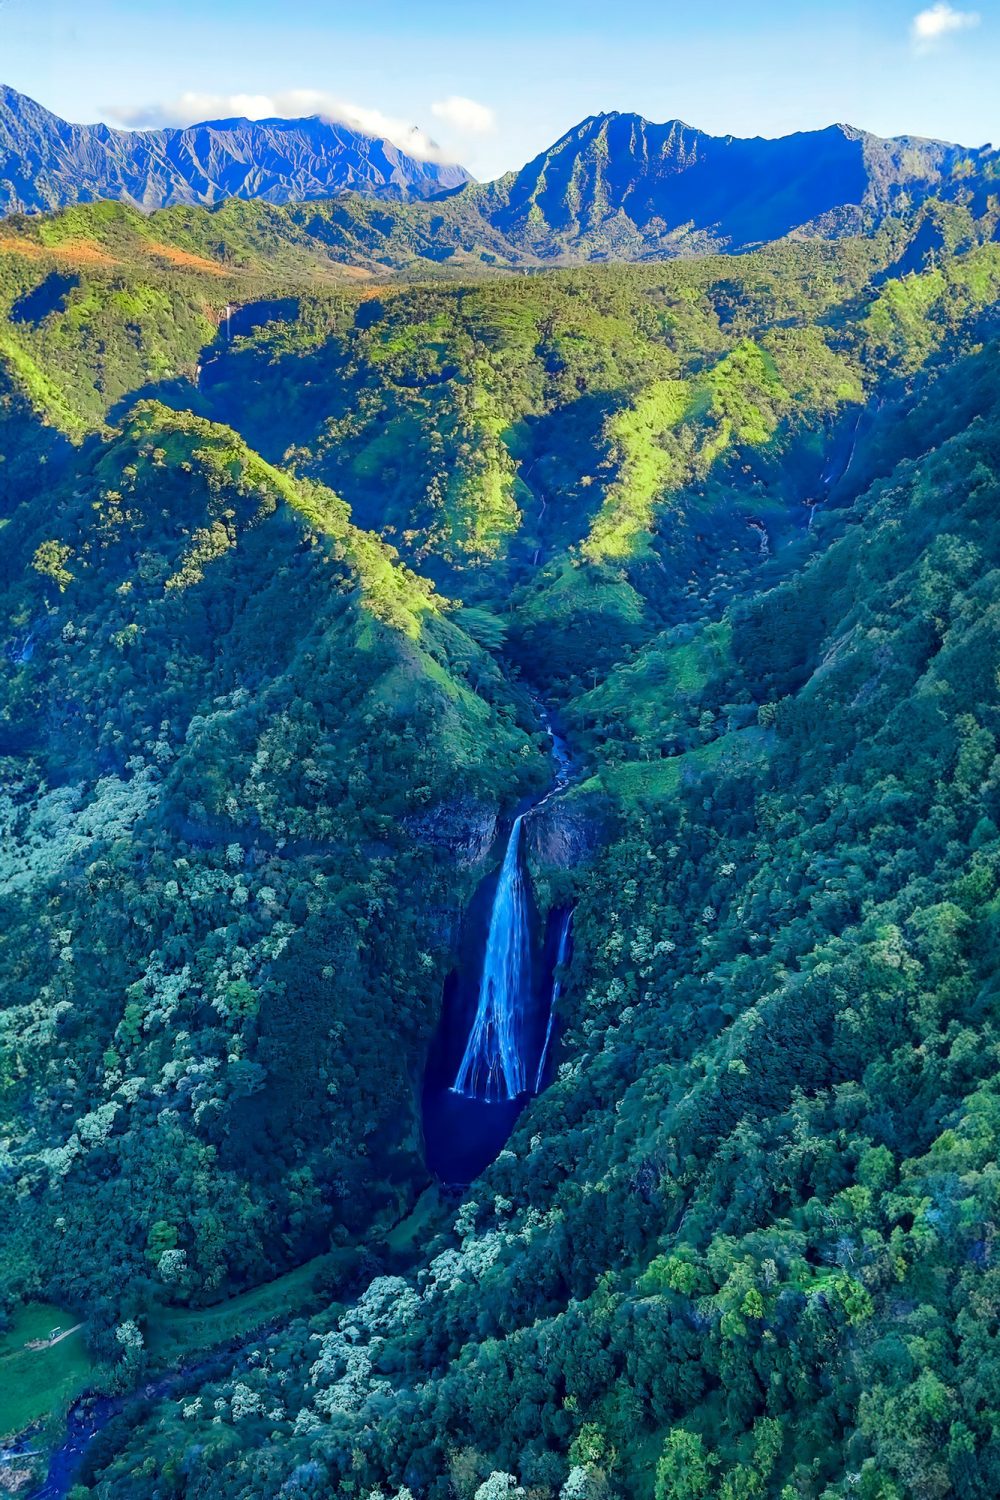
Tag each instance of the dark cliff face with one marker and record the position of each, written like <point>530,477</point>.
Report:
<point>567,832</point>
<point>46,163</point>
<point>464,827</point>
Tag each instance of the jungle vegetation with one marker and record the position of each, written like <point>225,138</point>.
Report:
<point>288,561</point>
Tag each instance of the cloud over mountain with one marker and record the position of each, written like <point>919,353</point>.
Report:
<point>192,107</point>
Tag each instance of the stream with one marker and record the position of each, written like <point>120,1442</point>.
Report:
<point>493,1048</point>
<point>91,1414</point>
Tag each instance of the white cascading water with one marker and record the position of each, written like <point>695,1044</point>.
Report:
<point>562,953</point>
<point>492,1067</point>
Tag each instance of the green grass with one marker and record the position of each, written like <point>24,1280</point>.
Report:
<point>174,1333</point>
<point>647,466</point>
<point>661,778</point>
<point>652,694</point>
<point>410,1233</point>
<point>39,388</point>
<point>34,1383</point>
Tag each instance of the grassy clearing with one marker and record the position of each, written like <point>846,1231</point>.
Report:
<point>175,1333</point>
<point>34,1383</point>
<point>648,465</point>
<point>412,1232</point>
<point>638,780</point>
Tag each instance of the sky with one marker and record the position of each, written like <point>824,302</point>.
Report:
<point>492,84</point>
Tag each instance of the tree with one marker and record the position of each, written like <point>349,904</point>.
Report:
<point>684,1471</point>
<point>50,560</point>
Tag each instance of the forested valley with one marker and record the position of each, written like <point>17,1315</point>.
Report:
<point>300,567</point>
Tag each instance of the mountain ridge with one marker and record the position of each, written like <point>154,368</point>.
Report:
<point>48,163</point>
<point>614,186</point>
<point>620,183</point>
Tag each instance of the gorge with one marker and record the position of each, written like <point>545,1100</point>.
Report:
<point>501,1000</point>
<point>589,1139</point>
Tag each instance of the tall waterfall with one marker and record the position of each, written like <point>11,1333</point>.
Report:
<point>562,954</point>
<point>492,1067</point>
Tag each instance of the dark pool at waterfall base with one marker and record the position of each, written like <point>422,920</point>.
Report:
<point>495,1045</point>
<point>463,1135</point>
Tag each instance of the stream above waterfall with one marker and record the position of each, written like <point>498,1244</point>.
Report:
<point>493,1049</point>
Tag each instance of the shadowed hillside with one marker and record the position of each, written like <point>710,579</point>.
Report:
<point>46,163</point>
<point>297,571</point>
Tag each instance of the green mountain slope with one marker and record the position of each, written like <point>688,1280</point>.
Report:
<point>223,707</point>
<point>616,185</point>
<point>741,1243</point>
<point>280,591</point>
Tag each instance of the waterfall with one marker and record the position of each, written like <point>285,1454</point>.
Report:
<point>562,954</point>
<point>765,541</point>
<point>492,1067</point>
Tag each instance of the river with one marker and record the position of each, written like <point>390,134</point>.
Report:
<point>494,1050</point>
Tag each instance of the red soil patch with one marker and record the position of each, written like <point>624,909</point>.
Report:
<point>76,252</point>
<point>81,253</point>
<point>186,259</point>
<point>28,248</point>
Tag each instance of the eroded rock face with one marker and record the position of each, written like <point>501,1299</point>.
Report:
<point>565,832</point>
<point>465,827</point>
<point>47,163</point>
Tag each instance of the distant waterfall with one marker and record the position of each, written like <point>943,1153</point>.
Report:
<point>765,540</point>
<point>562,954</point>
<point>492,1067</point>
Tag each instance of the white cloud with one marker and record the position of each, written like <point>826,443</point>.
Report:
<point>291,104</point>
<point>190,108</point>
<point>938,21</point>
<point>465,115</point>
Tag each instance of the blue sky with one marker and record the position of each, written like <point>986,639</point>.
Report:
<point>495,83</point>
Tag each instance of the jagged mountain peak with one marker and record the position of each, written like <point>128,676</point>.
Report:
<point>48,163</point>
<point>627,187</point>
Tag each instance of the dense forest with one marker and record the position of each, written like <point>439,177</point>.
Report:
<point>297,567</point>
